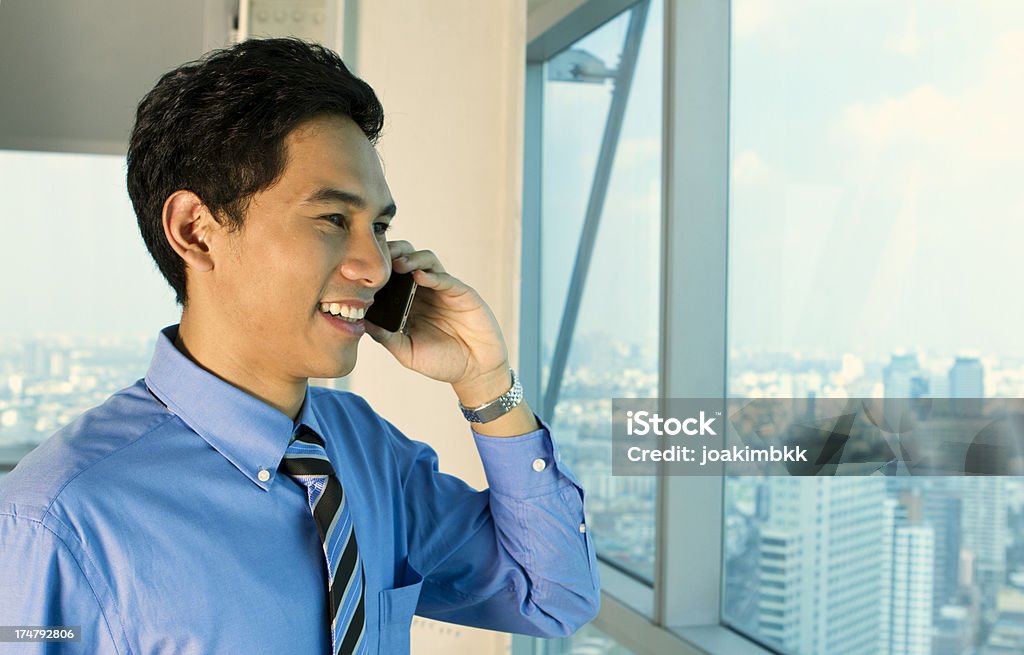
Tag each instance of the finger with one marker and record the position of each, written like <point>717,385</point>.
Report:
<point>423,260</point>
<point>399,248</point>
<point>442,282</point>
<point>392,341</point>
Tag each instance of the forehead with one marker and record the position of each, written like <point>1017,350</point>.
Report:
<point>332,152</point>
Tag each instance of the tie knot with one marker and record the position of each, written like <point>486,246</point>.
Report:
<point>306,455</point>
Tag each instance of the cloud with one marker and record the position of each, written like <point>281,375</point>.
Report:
<point>922,115</point>
<point>965,134</point>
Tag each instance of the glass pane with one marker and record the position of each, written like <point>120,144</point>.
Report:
<point>575,113</point>
<point>588,641</point>
<point>83,300</point>
<point>614,346</point>
<point>874,237</point>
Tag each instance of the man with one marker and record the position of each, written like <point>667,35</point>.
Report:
<point>221,504</point>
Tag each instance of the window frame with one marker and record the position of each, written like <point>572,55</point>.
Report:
<point>684,617</point>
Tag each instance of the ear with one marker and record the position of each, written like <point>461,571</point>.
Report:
<point>188,226</point>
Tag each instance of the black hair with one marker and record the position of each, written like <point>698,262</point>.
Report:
<point>216,126</point>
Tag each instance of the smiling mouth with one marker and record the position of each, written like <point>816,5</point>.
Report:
<point>344,312</point>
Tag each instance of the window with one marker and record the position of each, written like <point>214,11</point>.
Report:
<point>870,238</point>
<point>84,299</point>
<point>82,295</point>
<point>599,225</point>
<point>840,217</point>
<point>588,641</point>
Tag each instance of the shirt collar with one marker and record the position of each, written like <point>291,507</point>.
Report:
<point>248,432</point>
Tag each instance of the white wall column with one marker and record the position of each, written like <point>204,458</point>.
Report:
<point>450,74</point>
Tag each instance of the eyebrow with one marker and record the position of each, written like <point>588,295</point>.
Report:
<point>323,195</point>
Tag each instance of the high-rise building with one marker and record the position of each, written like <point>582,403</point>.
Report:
<point>967,378</point>
<point>820,567</point>
<point>967,386</point>
<point>898,376</point>
<point>942,509</point>
<point>902,379</point>
<point>984,530</point>
<point>36,359</point>
<point>907,570</point>
<point>920,387</point>
<point>779,581</point>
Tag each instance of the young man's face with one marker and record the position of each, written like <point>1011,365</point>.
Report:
<point>304,244</point>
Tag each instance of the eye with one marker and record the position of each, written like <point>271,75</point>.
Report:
<point>336,219</point>
<point>382,228</point>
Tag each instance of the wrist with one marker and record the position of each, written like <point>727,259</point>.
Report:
<point>484,388</point>
<point>498,408</point>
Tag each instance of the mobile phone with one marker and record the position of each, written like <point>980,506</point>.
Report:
<point>391,305</point>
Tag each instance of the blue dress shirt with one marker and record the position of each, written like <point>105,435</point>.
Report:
<point>159,523</point>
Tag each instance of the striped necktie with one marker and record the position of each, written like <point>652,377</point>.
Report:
<point>306,461</point>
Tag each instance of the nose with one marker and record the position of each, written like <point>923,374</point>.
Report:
<point>366,259</point>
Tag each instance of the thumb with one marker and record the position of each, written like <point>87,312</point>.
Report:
<point>390,340</point>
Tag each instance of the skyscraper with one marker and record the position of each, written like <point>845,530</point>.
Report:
<point>907,570</point>
<point>983,528</point>
<point>898,376</point>
<point>902,379</point>
<point>942,509</point>
<point>821,565</point>
<point>967,385</point>
<point>967,378</point>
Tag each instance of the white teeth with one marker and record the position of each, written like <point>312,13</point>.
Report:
<point>344,311</point>
<point>355,313</point>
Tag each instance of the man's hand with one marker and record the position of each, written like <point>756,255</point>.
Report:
<point>452,335</point>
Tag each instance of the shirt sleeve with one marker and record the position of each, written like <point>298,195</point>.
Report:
<point>44,586</point>
<point>516,557</point>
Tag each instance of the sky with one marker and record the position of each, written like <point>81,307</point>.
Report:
<point>74,261</point>
<point>877,153</point>
<point>875,196</point>
<point>875,199</point>
<point>621,294</point>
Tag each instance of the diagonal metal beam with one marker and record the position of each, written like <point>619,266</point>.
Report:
<point>595,205</point>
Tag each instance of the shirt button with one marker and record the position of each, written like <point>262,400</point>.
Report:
<point>539,465</point>
<point>263,475</point>
<point>583,528</point>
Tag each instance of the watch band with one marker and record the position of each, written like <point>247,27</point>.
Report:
<point>500,406</point>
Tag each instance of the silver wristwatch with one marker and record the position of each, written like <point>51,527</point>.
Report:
<point>500,406</point>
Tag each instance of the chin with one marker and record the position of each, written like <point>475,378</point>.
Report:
<point>344,366</point>
<point>331,364</point>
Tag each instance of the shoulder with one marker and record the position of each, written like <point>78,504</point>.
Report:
<point>73,453</point>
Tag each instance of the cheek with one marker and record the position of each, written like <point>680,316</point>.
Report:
<point>279,271</point>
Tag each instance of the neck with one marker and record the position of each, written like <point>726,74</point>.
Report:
<point>209,348</point>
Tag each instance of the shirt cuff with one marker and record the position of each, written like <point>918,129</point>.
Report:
<point>524,466</point>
